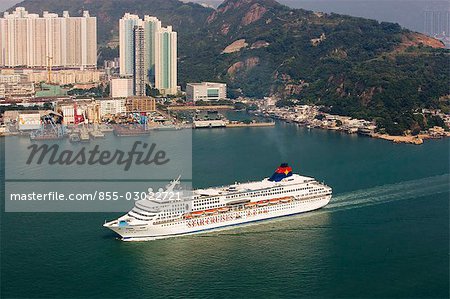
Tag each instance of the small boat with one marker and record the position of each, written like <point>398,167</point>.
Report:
<point>250,205</point>
<point>198,213</point>
<point>84,136</point>
<point>262,203</point>
<point>210,212</point>
<point>285,199</point>
<point>74,137</point>
<point>97,134</point>
<point>274,201</point>
<point>223,210</point>
<point>188,216</point>
<point>106,128</point>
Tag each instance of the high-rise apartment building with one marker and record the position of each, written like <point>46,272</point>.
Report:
<point>126,43</point>
<point>166,62</point>
<point>151,27</point>
<point>139,71</point>
<point>157,47</point>
<point>29,40</point>
<point>437,21</point>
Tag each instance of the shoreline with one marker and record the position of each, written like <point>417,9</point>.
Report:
<point>409,139</point>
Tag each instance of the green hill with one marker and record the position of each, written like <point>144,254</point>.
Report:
<point>356,66</point>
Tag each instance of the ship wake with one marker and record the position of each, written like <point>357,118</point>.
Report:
<point>388,193</point>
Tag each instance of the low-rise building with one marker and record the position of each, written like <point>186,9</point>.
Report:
<point>121,87</point>
<point>111,106</point>
<point>79,111</point>
<point>206,91</point>
<point>16,89</point>
<point>29,120</point>
<point>140,104</point>
<point>65,77</point>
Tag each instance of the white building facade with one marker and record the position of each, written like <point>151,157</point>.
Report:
<point>29,40</point>
<point>126,43</point>
<point>206,91</point>
<point>166,61</point>
<point>112,106</point>
<point>152,52</point>
<point>121,87</point>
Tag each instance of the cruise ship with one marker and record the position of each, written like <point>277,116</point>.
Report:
<point>203,210</point>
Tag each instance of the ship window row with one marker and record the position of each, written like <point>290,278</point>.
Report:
<point>206,202</point>
<point>144,209</point>
<point>271,192</point>
<point>256,193</point>
<point>142,214</point>
<point>209,207</point>
<point>138,218</point>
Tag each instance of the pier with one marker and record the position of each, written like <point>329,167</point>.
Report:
<point>187,108</point>
<point>252,124</point>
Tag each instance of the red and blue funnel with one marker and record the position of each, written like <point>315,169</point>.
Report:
<point>283,171</point>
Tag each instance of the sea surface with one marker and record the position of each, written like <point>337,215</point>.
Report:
<point>385,233</point>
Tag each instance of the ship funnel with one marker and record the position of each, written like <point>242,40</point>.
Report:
<point>283,171</point>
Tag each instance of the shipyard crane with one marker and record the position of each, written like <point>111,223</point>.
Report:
<point>49,69</point>
<point>51,127</point>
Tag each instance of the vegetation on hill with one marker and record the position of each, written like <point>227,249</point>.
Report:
<point>358,67</point>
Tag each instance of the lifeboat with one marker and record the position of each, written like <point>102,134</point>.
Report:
<point>262,203</point>
<point>223,210</point>
<point>188,216</point>
<point>274,201</point>
<point>285,199</point>
<point>210,212</point>
<point>197,214</point>
<point>250,205</point>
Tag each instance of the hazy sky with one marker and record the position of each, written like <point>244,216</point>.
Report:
<point>5,4</point>
<point>408,13</point>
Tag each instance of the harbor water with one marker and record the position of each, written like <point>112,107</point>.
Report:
<point>385,233</point>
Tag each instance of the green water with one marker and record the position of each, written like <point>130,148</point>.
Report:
<point>384,234</point>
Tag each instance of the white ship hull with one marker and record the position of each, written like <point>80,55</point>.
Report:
<point>209,209</point>
<point>219,221</point>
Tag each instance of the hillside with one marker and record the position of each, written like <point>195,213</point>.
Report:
<point>360,67</point>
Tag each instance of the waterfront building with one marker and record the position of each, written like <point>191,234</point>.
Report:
<point>84,110</point>
<point>29,120</point>
<point>140,104</point>
<point>121,87</point>
<point>68,112</point>
<point>206,91</point>
<point>29,40</point>
<point>111,106</point>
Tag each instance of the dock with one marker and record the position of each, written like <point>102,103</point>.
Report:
<point>253,124</point>
<point>187,108</point>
